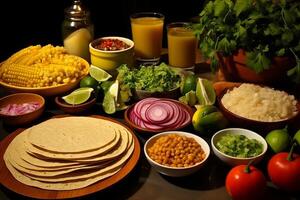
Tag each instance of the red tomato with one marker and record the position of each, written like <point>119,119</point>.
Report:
<point>285,173</point>
<point>245,185</point>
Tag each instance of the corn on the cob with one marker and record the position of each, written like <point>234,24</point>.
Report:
<point>45,54</point>
<point>23,53</point>
<point>46,66</point>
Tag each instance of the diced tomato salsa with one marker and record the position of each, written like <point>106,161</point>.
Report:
<point>111,45</point>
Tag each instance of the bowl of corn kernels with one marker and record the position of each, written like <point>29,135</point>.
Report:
<point>176,153</point>
<point>46,70</point>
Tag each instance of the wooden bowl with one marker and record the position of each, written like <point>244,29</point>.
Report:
<point>144,130</point>
<point>73,109</point>
<point>262,127</point>
<point>19,98</point>
<point>43,91</point>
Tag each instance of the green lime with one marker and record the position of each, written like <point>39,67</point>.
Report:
<point>78,96</point>
<point>99,74</point>
<point>109,104</point>
<point>183,99</point>
<point>106,85</point>
<point>189,83</point>
<point>278,140</point>
<point>89,81</point>
<point>297,137</point>
<point>191,98</point>
<point>208,119</point>
<point>205,92</point>
<point>114,90</point>
<point>110,98</point>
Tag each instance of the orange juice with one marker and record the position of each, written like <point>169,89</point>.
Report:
<point>147,33</point>
<point>182,46</point>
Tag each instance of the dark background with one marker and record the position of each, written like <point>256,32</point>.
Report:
<point>33,22</point>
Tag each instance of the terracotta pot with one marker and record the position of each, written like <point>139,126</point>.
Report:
<point>234,69</point>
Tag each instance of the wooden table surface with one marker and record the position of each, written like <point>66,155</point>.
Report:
<point>145,183</point>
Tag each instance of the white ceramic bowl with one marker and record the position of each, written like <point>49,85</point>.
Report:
<point>233,161</point>
<point>177,171</point>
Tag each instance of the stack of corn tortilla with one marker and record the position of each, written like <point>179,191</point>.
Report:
<point>68,153</point>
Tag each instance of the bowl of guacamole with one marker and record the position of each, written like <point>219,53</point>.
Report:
<point>236,146</point>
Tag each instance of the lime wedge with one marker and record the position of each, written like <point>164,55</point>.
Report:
<point>109,104</point>
<point>205,92</point>
<point>78,96</point>
<point>191,98</point>
<point>114,90</point>
<point>99,74</point>
<point>183,99</point>
<point>110,98</point>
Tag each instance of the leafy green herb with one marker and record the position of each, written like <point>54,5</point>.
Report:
<point>151,78</point>
<point>263,28</point>
<point>241,6</point>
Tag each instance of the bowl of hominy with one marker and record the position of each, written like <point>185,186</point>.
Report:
<point>176,153</point>
<point>258,107</point>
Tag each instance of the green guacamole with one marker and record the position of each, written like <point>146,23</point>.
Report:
<point>239,146</point>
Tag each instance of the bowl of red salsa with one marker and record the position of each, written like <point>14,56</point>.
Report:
<point>108,53</point>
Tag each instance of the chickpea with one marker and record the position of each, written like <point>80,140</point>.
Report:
<point>176,151</point>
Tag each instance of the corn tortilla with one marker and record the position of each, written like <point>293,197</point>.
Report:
<point>84,173</point>
<point>62,135</point>
<point>122,146</point>
<point>50,173</point>
<point>73,156</point>
<point>59,167</point>
<point>56,186</point>
<point>66,185</point>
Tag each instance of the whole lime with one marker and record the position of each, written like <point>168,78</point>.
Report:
<point>208,119</point>
<point>89,81</point>
<point>189,83</point>
<point>297,137</point>
<point>278,140</point>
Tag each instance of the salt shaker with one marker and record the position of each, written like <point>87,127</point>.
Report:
<point>77,30</point>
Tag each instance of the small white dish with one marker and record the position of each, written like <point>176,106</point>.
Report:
<point>233,161</point>
<point>177,171</point>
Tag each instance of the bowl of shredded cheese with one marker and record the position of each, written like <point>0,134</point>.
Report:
<point>258,107</point>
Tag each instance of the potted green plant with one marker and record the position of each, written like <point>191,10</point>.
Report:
<point>252,37</point>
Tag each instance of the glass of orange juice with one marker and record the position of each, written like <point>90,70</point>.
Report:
<point>182,45</point>
<point>147,35</point>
